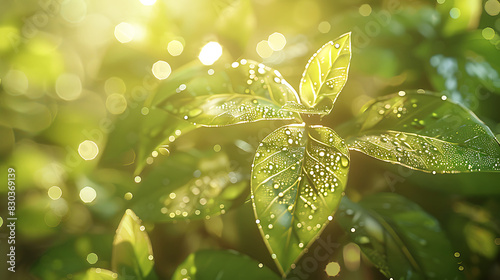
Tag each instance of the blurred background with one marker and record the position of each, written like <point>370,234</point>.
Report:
<point>76,77</point>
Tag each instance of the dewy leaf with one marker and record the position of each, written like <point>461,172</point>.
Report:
<point>424,132</point>
<point>298,177</point>
<point>324,107</point>
<point>132,252</point>
<point>97,274</point>
<point>222,265</point>
<point>226,109</point>
<point>200,185</point>
<point>244,91</point>
<point>326,72</point>
<point>399,238</point>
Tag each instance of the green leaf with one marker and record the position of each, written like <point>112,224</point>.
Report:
<point>244,91</point>
<point>399,238</point>
<point>424,132</point>
<point>97,274</point>
<point>298,177</point>
<point>132,252</point>
<point>326,72</point>
<point>324,107</point>
<point>226,109</point>
<point>222,265</point>
<point>200,184</point>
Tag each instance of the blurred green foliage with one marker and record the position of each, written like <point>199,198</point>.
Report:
<point>77,80</point>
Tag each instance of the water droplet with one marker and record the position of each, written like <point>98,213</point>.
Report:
<point>344,161</point>
<point>195,112</point>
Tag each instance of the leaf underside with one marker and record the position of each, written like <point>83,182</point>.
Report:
<point>424,132</point>
<point>326,72</point>
<point>298,178</point>
<point>399,238</point>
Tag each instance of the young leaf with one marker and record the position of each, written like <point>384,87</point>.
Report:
<point>132,252</point>
<point>298,177</point>
<point>222,265</point>
<point>245,91</point>
<point>326,72</point>
<point>97,274</point>
<point>211,191</point>
<point>399,238</point>
<point>226,109</point>
<point>424,132</point>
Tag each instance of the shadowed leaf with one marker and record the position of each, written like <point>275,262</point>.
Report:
<point>399,238</point>
<point>200,184</point>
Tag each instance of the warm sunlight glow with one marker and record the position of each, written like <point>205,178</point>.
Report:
<point>263,49</point>
<point>332,269</point>
<point>88,194</point>
<point>277,41</point>
<point>148,2</point>
<point>161,70</point>
<point>210,53</point>
<point>54,192</point>
<point>88,150</point>
<point>68,87</point>
<point>175,48</point>
<point>124,32</point>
